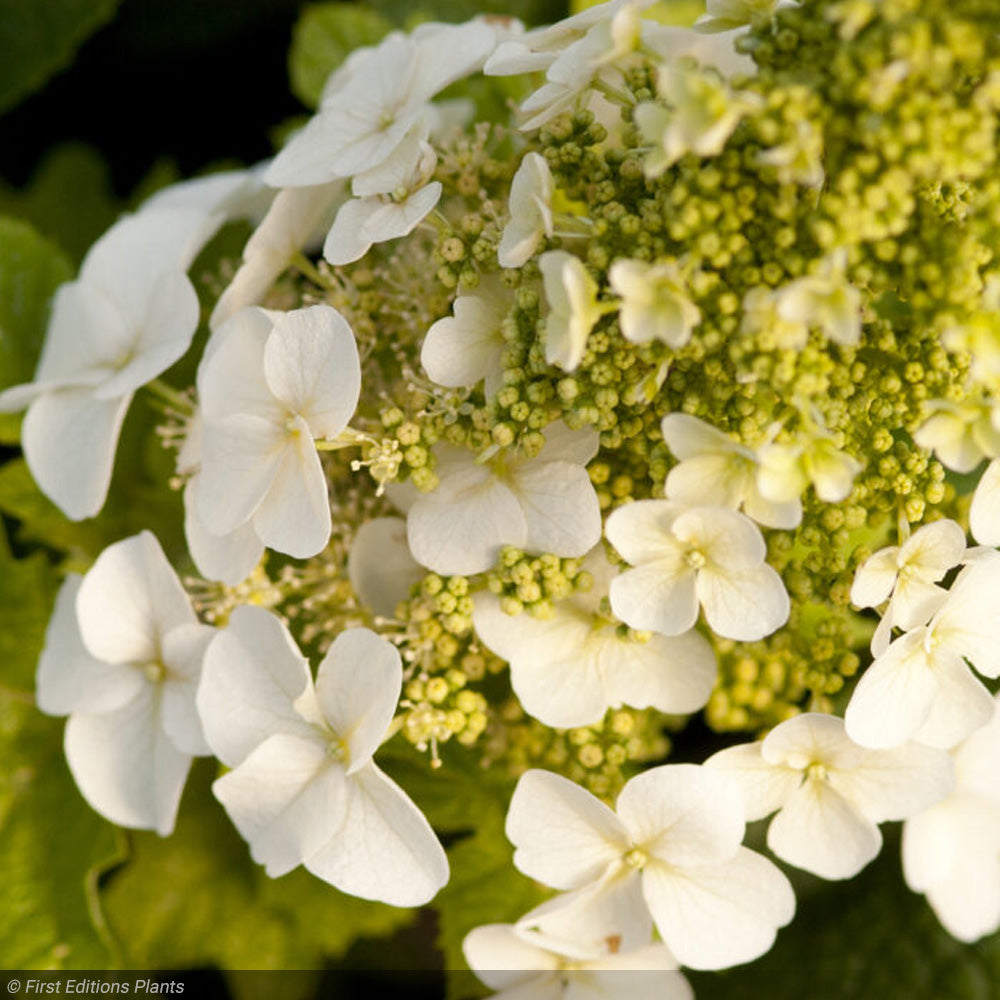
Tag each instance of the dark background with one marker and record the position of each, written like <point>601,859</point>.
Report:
<point>196,82</point>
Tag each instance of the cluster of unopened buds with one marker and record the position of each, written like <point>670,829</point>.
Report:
<point>568,340</point>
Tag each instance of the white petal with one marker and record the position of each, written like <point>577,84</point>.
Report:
<point>69,679</point>
<point>183,655</point>
<point>643,530</point>
<point>967,622</point>
<point>384,849</point>
<point>563,836</point>
<point>961,705</point>
<point>311,364</point>
<point>722,915</point>
<point>811,738</point>
<point>560,507</point>
<point>894,696</point>
<point>968,904</point>
<point>718,478</point>
<point>674,674</point>
<point>688,437</point>
<point>764,786</point>
<point>253,673</point>
<point>126,766</point>
<point>129,600</point>
<point>565,445</point>
<point>984,514</point>
<point>727,539</point>
<point>818,830</point>
<point>935,548</point>
<point>461,527</point>
<point>894,784</point>
<point>69,439</point>
<point>380,567</point>
<point>875,578</point>
<point>500,958</point>
<point>768,512</point>
<point>294,514</point>
<point>745,605</point>
<point>683,814</point>
<point>285,799</point>
<point>231,377</point>
<point>348,239</point>
<point>658,596</point>
<point>358,686</point>
<point>242,456</point>
<point>230,558</point>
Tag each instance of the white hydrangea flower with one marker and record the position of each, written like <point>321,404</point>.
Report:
<point>122,658</point>
<point>526,965</point>
<point>543,504</point>
<point>906,575</point>
<point>131,313</point>
<point>703,113</point>
<point>573,308</point>
<point>530,209</point>
<point>656,304</point>
<point>800,159</point>
<point>829,793</point>
<point>466,347</point>
<point>984,514</point>
<point>376,98</point>
<point>920,687</point>
<point>303,788</point>
<point>379,565</point>
<point>785,471</point>
<point>761,317</point>
<point>393,199</point>
<point>690,556</point>
<point>960,435</point>
<point>568,670</point>
<point>671,848</point>
<point>297,219</point>
<point>951,851</point>
<point>716,470</point>
<point>825,300</point>
<point>273,383</point>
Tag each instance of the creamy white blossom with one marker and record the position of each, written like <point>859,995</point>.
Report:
<point>715,469</point>
<point>273,383</point>
<point>906,576</point>
<point>960,435</point>
<point>785,471</point>
<point>984,514</point>
<point>122,658</point>
<point>571,294</point>
<point>656,304</point>
<point>825,300</point>
<point>526,965</point>
<point>951,851</point>
<point>379,565</point>
<point>543,504</point>
<point>920,687</point>
<point>690,556</point>
<point>570,668</point>
<point>467,347</point>
<point>303,788</point>
<point>828,793</point>
<point>130,314</point>
<point>671,849</point>
<point>530,207</point>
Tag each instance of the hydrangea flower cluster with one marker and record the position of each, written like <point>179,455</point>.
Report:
<point>655,400</point>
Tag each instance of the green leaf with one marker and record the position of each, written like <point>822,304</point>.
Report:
<point>27,592</point>
<point>322,39</point>
<point>73,223</point>
<point>52,849</point>
<point>39,38</point>
<point>31,269</point>
<point>867,939</point>
<point>196,898</point>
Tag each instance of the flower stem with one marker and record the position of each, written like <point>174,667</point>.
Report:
<point>173,398</point>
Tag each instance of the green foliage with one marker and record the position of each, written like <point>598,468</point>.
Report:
<point>30,270</point>
<point>74,224</point>
<point>196,899</point>
<point>323,37</point>
<point>39,38</point>
<point>463,799</point>
<point>52,847</point>
<point>867,939</point>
